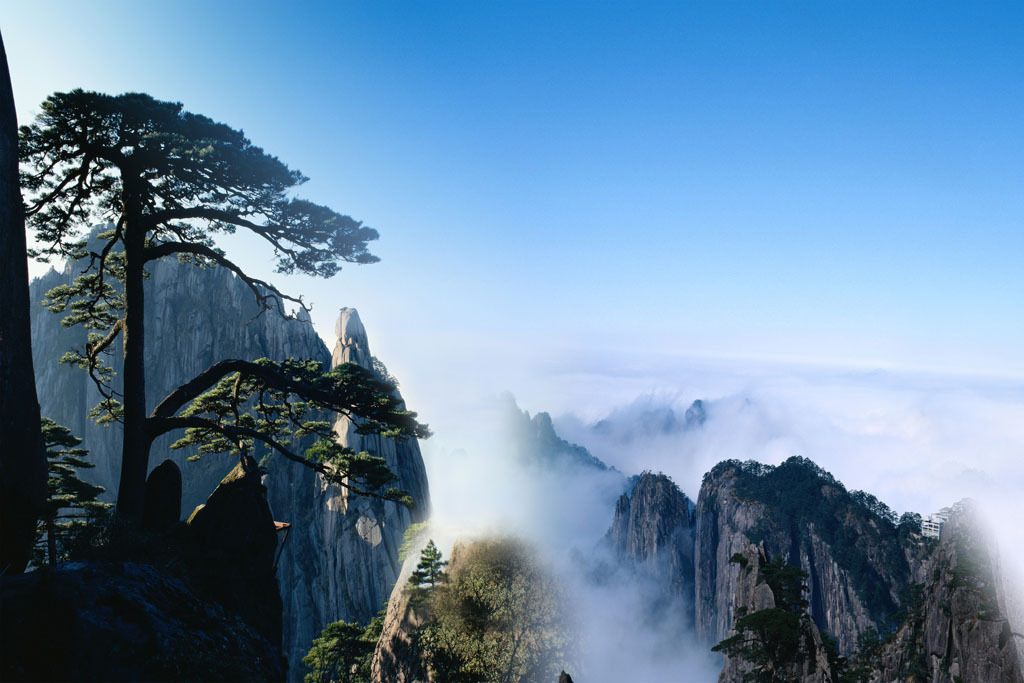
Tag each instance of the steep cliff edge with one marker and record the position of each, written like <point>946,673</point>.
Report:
<point>794,650</point>
<point>859,560</point>
<point>397,657</point>
<point>340,560</point>
<point>652,534</point>
<point>956,630</point>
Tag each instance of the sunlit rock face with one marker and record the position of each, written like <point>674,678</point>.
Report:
<point>753,594</point>
<point>340,559</point>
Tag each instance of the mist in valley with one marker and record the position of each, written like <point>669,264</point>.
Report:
<point>917,442</point>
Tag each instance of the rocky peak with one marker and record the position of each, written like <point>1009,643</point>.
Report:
<point>848,543</point>
<point>341,558</point>
<point>652,519</point>
<point>652,536</point>
<point>956,628</point>
<point>352,345</point>
<point>537,443</point>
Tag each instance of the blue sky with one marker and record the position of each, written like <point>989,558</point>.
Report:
<point>830,182</point>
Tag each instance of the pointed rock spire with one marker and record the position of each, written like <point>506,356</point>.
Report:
<point>352,345</point>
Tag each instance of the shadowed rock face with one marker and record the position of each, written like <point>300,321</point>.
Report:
<point>123,622</point>
<point>22,462</point>
<point>858,567</point>
<point>340,560</point>
<point>163,497</point>
<point>234,541</point>
<point>959,630</point>
<point>652,532</point>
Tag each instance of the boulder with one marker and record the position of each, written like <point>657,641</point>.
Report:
<point>163,497</point>
<point>232,542</point>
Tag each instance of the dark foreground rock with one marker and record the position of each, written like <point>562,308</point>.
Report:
<point>232,543</point>
<point>123,622</point>
<point>163,497</point>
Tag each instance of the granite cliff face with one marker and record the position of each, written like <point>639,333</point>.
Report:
<point>957,629</point>
<point>753,593</point>
<point>194,318</point>
<point>859,562</point>
<point>340,559</point>
<point>652,534</point>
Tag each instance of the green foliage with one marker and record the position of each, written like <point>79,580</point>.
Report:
<point>344,652</point>
<point>496,618</point>
<point>770,639</point>
<point>409,538</point>
<point>787,584</point>
<point>799,493</point>
<point>71,503</point>
<point>282,403</point>
<point>168,181</point>
<point>430,569</point>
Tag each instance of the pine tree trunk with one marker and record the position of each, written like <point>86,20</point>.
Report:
<point>22,462</point>
<point>135,451</point>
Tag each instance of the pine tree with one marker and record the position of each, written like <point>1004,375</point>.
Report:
<point>168,181</point>
<point>71,503</point>
<point>431,567</point>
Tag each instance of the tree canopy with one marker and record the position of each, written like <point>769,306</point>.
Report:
<point>168,181</point>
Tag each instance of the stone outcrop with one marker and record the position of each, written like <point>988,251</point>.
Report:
<point>721,525</point>
<point>123,622</point>
<point>856,560</point>
<point>809,664</point>
<point>163,497</point>
<point>233,542</point>
<point>652,533</point>
<point>957,630</point>
<point>340,560</point>
<point>22,462</point>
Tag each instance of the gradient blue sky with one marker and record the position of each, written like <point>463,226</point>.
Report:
<point>828,182</point>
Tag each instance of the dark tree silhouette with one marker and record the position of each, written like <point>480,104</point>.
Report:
<point>167,181</point>
<point>22,464</point>
<point>71,503</point>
